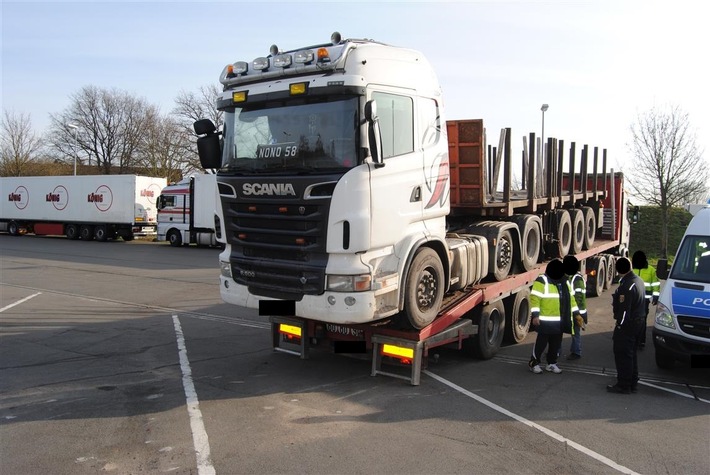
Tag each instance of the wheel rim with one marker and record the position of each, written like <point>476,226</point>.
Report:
<point>505,254</point>
<point>426,289</point>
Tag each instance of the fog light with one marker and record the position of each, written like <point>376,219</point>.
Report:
<point>226,284</point>
<point>331,300</point>
<point>349,301</point>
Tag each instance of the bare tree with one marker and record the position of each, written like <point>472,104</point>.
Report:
<point>163,151</point>
<point>109,127</point>
<point>669,169</point>
<point>20,146</point>
<point>190,107</point>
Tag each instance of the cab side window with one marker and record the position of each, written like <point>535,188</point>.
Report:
<point>396,115</point>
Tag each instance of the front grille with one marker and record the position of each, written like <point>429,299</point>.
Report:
<point>278,242</point>
<point>695,326</point>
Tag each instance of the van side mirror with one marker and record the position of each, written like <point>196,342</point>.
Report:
<point>208,145</point>
<point>662,269</point>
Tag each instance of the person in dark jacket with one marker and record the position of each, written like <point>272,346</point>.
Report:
<point>552,307</point>
<point>629,307</point>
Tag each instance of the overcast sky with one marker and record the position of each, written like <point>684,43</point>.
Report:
<point>598,64</point>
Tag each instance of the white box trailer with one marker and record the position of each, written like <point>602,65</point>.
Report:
<point>89,207</point>
<point>189,212</point>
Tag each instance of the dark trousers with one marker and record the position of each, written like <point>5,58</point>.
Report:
<point>642,338</point>
<point>553,343</point>
<point>626,341</point>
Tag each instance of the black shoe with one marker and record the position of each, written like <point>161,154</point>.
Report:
<point>615,388</point>
<point>573,356</point>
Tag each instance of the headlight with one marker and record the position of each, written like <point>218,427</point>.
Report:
<point>225,269</point>
<point>349,283</point>
<point>664,317</point>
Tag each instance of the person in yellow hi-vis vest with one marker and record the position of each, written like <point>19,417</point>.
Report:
<point>652,285</point>
<point>580,296</point>
<point>553,308</point>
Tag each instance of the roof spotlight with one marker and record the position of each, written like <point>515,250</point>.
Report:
<point>335,38</point>
<point>274,50</point>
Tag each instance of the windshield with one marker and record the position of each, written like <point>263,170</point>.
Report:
<point>307,136</point>
<point>693,261</point>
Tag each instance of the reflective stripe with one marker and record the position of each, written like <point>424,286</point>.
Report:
<point>534,309</point>
<point>583,311</point>
<point>549,319</point>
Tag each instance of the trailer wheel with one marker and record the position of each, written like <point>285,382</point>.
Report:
<point>563,233</point>
<point>610,271</point>
<point>664,359</point>
<point>174,238</point>
<point>86,232</point>
<point>100,233</point>
<point>578,230</point>
<point>531,244</point>
<point>503,257</point>
<point>13,229</point>
<point>590,227</point>
<point>517,316</point>
<point>491,328</point>
<point>128,237</point>
<point>424,288</point>
<point>597,276</point>
<point>72,231</point>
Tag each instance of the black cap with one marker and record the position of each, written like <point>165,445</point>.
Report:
<point>623,265</point>
<point>639,260</point>
<point>571,264</point>
<point>555,269</point>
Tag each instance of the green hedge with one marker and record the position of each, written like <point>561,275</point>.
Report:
<point>646,234</point>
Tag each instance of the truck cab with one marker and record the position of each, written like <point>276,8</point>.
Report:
<point>681,329</point>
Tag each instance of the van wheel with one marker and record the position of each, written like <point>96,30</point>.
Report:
<point>664,360</point>
<point>174,238</point>
<point>491,328</point>
<point>517,316</point>
<point>424,289</point>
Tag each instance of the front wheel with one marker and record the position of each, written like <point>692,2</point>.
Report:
<point>424,288</point>
<point>174,238</point>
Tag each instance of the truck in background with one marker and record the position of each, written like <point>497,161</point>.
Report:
<point>188,212</point>
<point>681,329</point>
<point>356,214</point>
<point>86,207</point>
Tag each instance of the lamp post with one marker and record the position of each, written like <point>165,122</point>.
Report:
<point>543,109</point>
<point>76,143</point>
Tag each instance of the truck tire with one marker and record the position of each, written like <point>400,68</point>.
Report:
<point>491,329</point>
<point>578,230</point>
<point>531,244</point>
<point>596,266</point>
<point>72,231</point>
<point>562,238</point>
<point>664,360</point>
<point>174,238</point>
<point>424,288</point>
<point>610,271</point>
<point>86,232</point>
<point>100,233</point>
<point>503,256</point>
<point>517,316</point>
<point>128,237</point>
<point>590,227</point>
<point>13,228</point>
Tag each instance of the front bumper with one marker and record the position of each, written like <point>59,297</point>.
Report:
<point>679,346</point>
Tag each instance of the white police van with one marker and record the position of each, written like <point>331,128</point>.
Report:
<point>681,329</point>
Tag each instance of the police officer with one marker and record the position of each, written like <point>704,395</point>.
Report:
<point>628,303</point>
<point>651,283</point>
<point>553,307</point>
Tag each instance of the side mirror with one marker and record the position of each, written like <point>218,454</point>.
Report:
<point>374,136</point>
<point>662,269</point>
<point>635,214</point>
<point>208,144</point>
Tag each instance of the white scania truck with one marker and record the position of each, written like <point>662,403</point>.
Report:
<point>681,330</point>
<point>86,207</point>
<point>353,210</point>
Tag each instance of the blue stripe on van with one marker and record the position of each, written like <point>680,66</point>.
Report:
<point>693,303</point>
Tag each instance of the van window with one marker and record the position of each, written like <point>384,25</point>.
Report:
<point>693,260</point>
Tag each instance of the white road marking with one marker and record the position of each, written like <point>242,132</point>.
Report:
<point>19,302</point>
<point>532,424</point>
<point>199,434</point>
